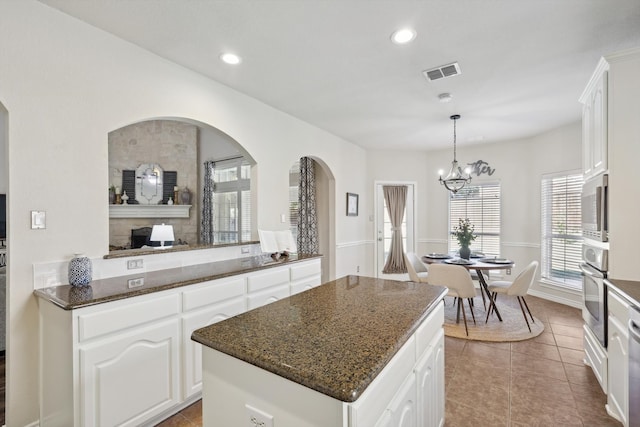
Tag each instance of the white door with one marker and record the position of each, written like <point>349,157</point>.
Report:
<point>383,225</point>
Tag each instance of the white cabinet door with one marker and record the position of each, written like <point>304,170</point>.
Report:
<point>430,387</point>
<point>587,142</point>
<point>618,353</point>
<point>599,127</point>
<point>403,407</point>
<point>192,374</point>
<point>128,379</point>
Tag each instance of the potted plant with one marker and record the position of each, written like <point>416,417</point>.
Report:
<point>464,234</point>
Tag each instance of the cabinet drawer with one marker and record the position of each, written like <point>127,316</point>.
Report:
<point>618,307</point>
<point>212,292</point>
<point>126,315</point>
<point>306,284</point>
<point>306,270</point>
<point>259,299</point>
<point>265,280</point>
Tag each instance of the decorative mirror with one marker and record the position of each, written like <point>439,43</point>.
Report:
<point>149,184</point>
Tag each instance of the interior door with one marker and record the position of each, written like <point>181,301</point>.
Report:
<point>383,225</point>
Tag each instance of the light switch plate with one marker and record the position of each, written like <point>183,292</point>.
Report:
<point>38,220</point>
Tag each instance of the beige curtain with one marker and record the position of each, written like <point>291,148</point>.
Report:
<point>396,199</point>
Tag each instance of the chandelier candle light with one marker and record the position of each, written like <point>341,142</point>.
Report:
<point>455,179</point>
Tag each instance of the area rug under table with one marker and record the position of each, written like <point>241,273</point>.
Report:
<point>512,327</point>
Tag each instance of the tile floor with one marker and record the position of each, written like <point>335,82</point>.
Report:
<point>538,382</point>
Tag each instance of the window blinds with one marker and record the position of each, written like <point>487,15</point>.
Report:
<point>561,228</point>
<point>232,201</point>
<point>481,204</point>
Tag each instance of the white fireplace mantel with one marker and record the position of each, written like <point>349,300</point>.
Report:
<point>149,211</point>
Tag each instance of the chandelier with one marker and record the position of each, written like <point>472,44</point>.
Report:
<point>455,179</point>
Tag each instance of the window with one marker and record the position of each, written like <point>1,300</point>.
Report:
<point>232,201</point>
<point>561,228</point>
<point>294,204</point>
<point>481,204</point>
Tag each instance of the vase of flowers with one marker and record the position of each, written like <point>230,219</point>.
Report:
<point>464,234</point>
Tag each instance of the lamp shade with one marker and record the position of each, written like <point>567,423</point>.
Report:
<point>162,233</point>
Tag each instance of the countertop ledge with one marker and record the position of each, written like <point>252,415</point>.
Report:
<point>629,289</point>
<point>335,338</point>
<point>116,288</point>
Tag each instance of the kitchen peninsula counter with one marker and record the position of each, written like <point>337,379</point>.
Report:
<point>335,339</point>
<point>115,288</point>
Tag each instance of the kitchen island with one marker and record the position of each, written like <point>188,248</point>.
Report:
<point>356,351</point>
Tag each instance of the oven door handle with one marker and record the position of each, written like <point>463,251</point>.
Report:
<point>588,271</point>
<point>634,330</point>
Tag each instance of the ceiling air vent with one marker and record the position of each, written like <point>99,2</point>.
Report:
<point>442,71</point>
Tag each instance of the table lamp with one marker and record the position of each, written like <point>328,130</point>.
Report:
<point>162,233</point>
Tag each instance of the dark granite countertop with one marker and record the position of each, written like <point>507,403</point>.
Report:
<point>335,338</point>
<point>100,291</point>
<point>628,289</point>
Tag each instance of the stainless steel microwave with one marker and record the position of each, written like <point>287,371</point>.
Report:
<point>594,208</point>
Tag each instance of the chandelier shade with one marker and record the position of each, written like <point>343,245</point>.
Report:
<point>456,179</point>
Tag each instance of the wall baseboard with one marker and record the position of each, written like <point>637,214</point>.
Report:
<point>571,302</point>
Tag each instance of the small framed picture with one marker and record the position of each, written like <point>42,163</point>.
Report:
<point>352,204</point>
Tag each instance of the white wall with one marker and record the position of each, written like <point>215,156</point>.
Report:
<point>66,85</point>
<point>519,166</point>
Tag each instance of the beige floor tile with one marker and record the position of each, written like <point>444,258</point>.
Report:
<point>541,350</point>
<point>570,331</point>
<point>459,414</point>
<point>569,355</point>
<point>569,342</point>
<point>527,364</point>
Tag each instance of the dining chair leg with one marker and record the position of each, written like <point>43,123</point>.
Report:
<point>471,308</point>
<point>464,316</point>
<point>529,311</point>
<point>492,303</point>
<point>524,314</point>
<point>458,313</point>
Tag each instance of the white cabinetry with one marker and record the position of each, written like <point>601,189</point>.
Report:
<point>618,352</point>
<point>594,123</point>
<point>132,362</point>
<point>203,305</point>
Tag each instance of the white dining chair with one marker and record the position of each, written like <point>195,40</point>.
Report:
<point>457,279</point>
<point>417,270</point>
<point>518,288</point>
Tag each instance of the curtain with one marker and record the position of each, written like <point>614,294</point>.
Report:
<point>396,199</point>
<point>206,232</point>
<point>307,215</point>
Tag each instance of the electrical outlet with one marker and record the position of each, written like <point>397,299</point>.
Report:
<point>258,418</point>
<point>358,269</point>
<point>508,272</point>
<point>135,283</point>
<point>245,249</point>
<point>135,263</point>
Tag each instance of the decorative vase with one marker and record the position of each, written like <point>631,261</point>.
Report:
<point>124,197</point>
<point>112,197</point>
<point>80,270</point>
<point>465,252</point>
<point>185,196</point>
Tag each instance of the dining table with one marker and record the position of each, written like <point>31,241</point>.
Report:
<point>478,263</point>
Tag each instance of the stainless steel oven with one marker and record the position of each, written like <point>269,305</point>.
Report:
<point>594,271</point>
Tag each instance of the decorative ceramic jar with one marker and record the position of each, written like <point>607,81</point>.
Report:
<point>80,270</point>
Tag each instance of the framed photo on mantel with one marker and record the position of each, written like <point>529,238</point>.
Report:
<point>352,204</point>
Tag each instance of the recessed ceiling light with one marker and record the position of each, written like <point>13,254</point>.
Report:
<point>230,58</point>
<point>403,36</point>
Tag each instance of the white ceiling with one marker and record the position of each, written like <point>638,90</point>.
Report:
<point>331,63</point>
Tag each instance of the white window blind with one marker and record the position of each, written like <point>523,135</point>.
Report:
<point>561,228</point>
<point>232,201</point>
<point>481,204</point>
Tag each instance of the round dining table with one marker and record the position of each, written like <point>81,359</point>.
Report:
<point>479,265</point>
